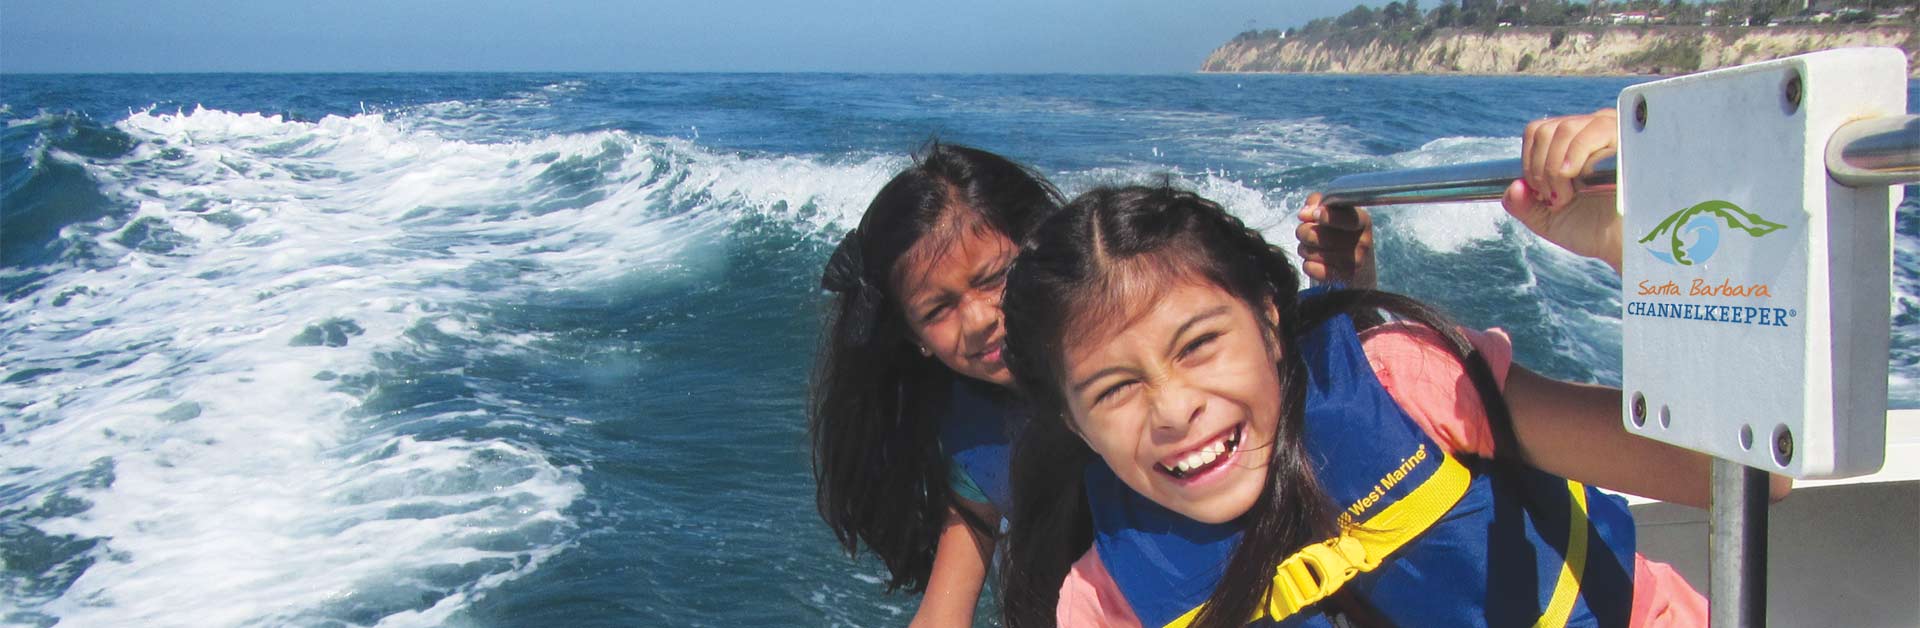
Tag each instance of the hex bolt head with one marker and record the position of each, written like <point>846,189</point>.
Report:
<point>1793,94</point>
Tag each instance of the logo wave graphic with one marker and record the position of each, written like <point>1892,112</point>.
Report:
<point>1692,235</point>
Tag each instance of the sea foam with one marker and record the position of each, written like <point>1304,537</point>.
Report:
<point>219,369</point>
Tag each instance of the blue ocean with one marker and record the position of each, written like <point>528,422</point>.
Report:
<point>532,350</point>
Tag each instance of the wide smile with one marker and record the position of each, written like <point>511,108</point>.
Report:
<point>1199,462</point>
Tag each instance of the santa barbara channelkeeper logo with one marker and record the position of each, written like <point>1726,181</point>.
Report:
<point>1692,235</point>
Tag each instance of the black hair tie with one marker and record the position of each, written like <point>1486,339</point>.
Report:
<point>846,275</point>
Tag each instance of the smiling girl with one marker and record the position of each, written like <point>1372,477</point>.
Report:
<point>909,411</point>
<point>1210,447</point>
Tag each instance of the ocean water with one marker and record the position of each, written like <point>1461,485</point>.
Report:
<point>530,350</point>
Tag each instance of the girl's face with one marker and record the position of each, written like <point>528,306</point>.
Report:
<point>1182,401</point>
<point>950,288</point>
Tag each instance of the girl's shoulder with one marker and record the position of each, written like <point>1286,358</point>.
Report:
<point>1413,363</point>
<point>1090,597</point>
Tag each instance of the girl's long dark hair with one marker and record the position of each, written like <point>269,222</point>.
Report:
<point>875,402</point>
<point>1064,279</point>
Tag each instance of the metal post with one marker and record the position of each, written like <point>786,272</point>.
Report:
<point>1737,567</point>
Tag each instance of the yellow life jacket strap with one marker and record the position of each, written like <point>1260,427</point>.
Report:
<point>1567,590</point>
<point>1318,570</point>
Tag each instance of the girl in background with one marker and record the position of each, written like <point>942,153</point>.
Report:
<point>909,410</point>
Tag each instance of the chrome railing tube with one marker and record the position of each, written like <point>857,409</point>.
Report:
<point>1477,181</point>
<point>1876,151</point>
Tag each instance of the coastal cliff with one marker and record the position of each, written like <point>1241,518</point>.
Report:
<point>1661,50</point>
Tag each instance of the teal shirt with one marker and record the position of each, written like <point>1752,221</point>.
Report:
<point>963,486</point>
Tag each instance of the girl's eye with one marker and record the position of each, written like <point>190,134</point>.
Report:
<point>1112,391</point>
<point>1199,343</point>
<point>933,313</point>
<point>998,277</point>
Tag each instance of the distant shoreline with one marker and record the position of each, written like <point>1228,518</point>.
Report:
<point>1660,50</point>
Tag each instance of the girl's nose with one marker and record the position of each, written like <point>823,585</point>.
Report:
<point>980,316</point>
<point>1176,406</point>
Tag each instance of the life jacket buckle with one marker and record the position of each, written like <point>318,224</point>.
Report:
<point>1313,573</point>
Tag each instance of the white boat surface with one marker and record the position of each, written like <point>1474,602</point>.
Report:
<point>1840,553</point>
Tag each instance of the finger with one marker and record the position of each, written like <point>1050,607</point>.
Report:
<point>1311,254</point>
<point>1538,166</point>
<point>1334,243</point>
<point>1313,237</point>
<point>1528,142</point>
<point>1311,211</point>
<point>1316,271</point>
<point>1342,218</point>
<point>1559,181</point>
<point>1364,241</point>
<point>1597,141</point>
<point>1518,200</point>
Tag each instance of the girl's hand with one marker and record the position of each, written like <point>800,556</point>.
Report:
<point>1556,151</point>
<point>1336,244</point>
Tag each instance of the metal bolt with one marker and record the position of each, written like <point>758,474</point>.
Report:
<point>1640,114</point>
<point>1793,94</point>
<point>1639,410</point>
<point>1783,446</point>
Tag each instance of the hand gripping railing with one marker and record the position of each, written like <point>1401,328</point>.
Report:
<point>1876,151</point>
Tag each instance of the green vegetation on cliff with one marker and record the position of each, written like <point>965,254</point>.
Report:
<point>1560,37</point>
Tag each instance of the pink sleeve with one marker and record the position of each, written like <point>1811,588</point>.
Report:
<point>1089,597</point>
<point>1663,599</point>
<point>1412,362</point>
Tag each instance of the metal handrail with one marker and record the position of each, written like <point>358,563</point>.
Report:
<point>1875,151</point>
<point>1477,181</point>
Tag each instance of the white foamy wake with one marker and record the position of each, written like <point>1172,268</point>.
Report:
<point>1450,227</point>
<point>1582,325</point>
<point>1270,211</point>
<point>200,357</point>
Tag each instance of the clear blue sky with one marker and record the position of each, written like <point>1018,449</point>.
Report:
<point>1094,36</point>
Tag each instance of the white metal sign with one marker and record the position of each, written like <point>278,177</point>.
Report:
<point>1755,289</point>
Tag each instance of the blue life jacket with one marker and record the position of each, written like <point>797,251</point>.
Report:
<point>976,435</point>
<point>1427,539</point>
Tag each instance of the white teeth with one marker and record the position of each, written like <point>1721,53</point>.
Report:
<point>1203,456</point>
